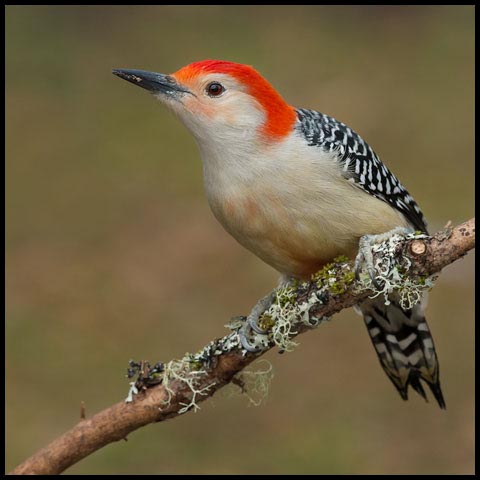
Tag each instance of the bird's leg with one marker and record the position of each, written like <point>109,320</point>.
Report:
<point>251,323</point>
<point>365,256</point>
<point>251,327</point>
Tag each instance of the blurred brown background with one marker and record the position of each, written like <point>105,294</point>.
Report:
<point>112,252</point>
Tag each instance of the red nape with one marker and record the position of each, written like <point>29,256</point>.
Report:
<point>280,116</point>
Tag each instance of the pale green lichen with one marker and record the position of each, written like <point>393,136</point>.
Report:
<point>255,383</point>
<point>266,322</point>
<point>285,315</point>
<point>190,370</point>
<point>336,276</point>
<point>192,367</point>
<point>181,370</point>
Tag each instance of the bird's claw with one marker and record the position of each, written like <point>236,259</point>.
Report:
<point>359,260</point>
<point>365,256</point>
<point>251,328</point>
<point>251,325</point>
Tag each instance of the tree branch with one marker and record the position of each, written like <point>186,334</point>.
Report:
<point>173,389</point>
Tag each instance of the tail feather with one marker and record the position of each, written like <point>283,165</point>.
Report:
<point>404,346</point>
<point>417,385</point>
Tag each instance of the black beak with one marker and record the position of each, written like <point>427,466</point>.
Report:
<point>151,81</point>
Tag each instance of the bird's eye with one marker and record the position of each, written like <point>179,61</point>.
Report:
<point>215,89</point>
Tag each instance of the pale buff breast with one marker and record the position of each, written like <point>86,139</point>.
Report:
<point>296,237</point>
<point>291,206</point>
<point>297,229</point>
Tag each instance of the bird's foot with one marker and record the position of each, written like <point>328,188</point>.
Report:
<point>251,330</point>
<point>365,256</point>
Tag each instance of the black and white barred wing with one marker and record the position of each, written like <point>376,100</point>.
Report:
<point>359,163</point>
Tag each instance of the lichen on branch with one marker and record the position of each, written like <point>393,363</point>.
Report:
<point>290,312</point>
<point>166,392</point>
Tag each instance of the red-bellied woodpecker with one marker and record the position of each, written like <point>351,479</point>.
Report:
<point>298,188</point>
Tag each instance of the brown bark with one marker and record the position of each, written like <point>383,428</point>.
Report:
<point>429,255</point>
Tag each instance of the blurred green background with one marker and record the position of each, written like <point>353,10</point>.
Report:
<point>112,252</point>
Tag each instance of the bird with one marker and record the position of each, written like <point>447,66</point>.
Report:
<point>298,188</point>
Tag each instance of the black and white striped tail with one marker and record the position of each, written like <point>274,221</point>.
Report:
<point>404,346</point>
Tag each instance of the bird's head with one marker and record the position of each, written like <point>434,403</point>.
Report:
<point>217,100</point>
